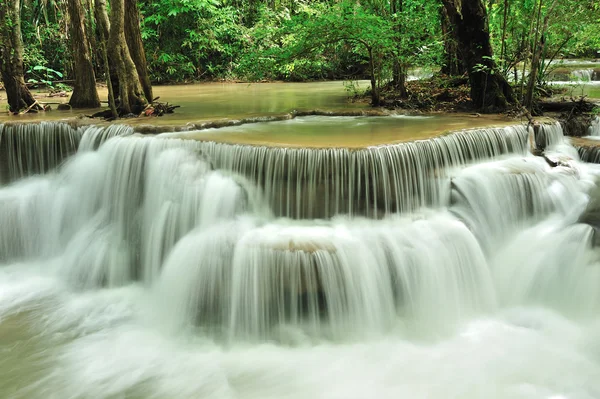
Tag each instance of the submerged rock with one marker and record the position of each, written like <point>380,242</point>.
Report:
<point>591,215</point>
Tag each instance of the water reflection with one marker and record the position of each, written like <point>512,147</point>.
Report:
<point>205,101</point>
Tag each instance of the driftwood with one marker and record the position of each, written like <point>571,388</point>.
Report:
<point>572,106</point>
<point>35,108</point>
<point>155,108</point>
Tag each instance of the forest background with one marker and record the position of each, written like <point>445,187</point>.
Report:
<point>290,40</point>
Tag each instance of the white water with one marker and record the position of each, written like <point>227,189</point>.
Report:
<point>139,271</point>
<point>594,129</point>
<point>583,75</point>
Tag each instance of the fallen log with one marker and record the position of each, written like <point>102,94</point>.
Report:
<point>572,106</point>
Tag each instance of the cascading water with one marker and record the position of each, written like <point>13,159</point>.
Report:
<point>320,183</point>
<point>32,148</point>
<point>583,75</point>
<point>594,129</point>
<point>589,152</point>
<point>150,267</point>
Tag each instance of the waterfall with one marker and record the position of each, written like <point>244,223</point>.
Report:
<point>583,75</point>
<point>594,129</point>
<point>200,225</point>
<point>549,135</point>
<point>36,148</point>
<point>94,210</point>
<point>145,266</point>
<point>588,152</point>
<point>301,182</point>
<point>323,182</point>
<point>333,279</point>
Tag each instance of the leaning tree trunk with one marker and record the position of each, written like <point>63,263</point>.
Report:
<point>84,94</point>
<point>375,97</point>
<point>453,61</point>
<point>133,36</point>
<point>489,90</point>
<point>537,58</point>
<point>11,57</point>
<point>102,24</point>
<point>131,95</point>
<point>103,30</point>
<point>398,70</point>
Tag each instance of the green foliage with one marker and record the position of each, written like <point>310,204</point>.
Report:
<point>43,29</point>
<point>190,39</point>
<point>573,29</point>
<point>41,74</point>
<point>340,41</point>
<point>298,40</point>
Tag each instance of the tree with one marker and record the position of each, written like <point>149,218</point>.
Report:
<point>370,35</point>
<point>11,57</point>
<point>538,51</point>
<point>489,89</point>
<point>453,63</point>
<point>103,27</point>
<point>133,36</point>
<point>84,94</point>
<point>131,94</point>
<point>398,70</point>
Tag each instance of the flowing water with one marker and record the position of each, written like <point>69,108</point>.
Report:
<point>594,129</point>
<point>155,267</point>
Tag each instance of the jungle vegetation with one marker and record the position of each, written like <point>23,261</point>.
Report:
<point>501,46</point>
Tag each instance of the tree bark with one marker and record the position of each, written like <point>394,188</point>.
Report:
<point>103,31</point>
<point>84,94</point>
<point>536,58</point>
<point>131,95</point>
<point>103,27</point>
<point>490,91</point>
<point>11,57</point>
<point>453,64</point>
<point>375,97</point>
<point>398,70</point>
<point>133,36</point>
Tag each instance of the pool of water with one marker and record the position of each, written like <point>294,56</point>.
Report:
<point>206,101</point>
<point>342,131</point>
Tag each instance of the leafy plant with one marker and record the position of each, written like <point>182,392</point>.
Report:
<point>43,75</point>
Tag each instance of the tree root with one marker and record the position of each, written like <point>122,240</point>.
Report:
<point>156,108</point>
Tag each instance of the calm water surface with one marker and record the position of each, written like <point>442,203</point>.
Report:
<point>207,101</point>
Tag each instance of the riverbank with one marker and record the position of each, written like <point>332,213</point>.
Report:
<point>219,112</point>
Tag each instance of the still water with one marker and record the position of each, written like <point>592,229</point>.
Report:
<point>207,101</point>
<point>342,131</point>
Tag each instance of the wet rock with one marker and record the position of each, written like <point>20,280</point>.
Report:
<point>591,215</point>
<point>576,125</point>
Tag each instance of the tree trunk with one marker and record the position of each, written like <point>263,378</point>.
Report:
<point>375,98</point>
<point>398,70</point>
<point>84,94</point>
<point>133,36</point>
<point>103,31</point>
<point>453,64</point>
<point>490,91</point>
<point>131,95</point>
<point>536,58</point>
<point>11,57</point>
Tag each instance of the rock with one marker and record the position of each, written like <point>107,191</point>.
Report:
<point>591,215</point>
<point>63,107</point>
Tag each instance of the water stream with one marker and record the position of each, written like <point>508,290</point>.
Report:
<point>157,267</point>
